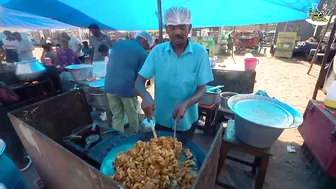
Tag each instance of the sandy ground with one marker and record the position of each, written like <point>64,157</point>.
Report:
<point>287,80</point>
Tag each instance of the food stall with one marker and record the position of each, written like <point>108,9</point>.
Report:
<point>69,151</point>
<point>246,41</point>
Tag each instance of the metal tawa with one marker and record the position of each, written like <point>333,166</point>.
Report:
<point>107,166</point>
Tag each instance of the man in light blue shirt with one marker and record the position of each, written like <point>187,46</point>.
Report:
<point>181,70</point>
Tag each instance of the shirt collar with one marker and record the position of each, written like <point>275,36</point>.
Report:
<point>187,50</point>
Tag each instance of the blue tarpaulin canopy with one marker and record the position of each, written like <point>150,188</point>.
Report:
<point>142,14</point>
<point>17,19</point>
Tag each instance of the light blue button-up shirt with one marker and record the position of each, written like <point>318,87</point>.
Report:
<point>176,80</point>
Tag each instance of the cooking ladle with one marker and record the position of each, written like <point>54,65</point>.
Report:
<point>214,88</point>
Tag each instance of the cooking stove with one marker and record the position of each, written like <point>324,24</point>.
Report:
<point>93,142</point>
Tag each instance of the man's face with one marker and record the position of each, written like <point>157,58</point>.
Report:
<point>95,32</point>
<point>144,44</point>
<point>178,34</point>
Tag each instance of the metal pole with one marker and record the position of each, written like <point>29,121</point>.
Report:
<point>286,27</point>
<point>315,30</point>
<point>320,42</point>
<point>324,61</point>
<point>160,21</point>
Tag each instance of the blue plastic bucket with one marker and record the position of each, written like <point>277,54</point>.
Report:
<point>10,176</point>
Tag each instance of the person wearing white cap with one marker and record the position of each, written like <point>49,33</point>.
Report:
<point>125,61</point>
<point>181,70</point>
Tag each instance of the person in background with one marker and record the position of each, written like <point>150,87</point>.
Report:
<point>25,48</point>
<point>96,40</point>
<point>65,55</point>
<point>49,53</point>
<point>156,42</point>
<point>181,69</point>
<point>126,59</point>
<point>44,52</point>
<point>103,50</point>
<point>86,48</point>
<point>43,41</point>
<point>10,47</point>
<point>75,45</point>
<point>58,46</point>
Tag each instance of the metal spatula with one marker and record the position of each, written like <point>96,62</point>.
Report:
<point>153,128</point>
<point>175,125</point>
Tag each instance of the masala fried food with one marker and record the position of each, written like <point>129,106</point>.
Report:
<point>154,165</point>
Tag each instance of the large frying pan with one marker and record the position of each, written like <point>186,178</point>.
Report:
<point>107,167</point>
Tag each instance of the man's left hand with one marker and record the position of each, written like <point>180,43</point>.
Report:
<point>179,111</point>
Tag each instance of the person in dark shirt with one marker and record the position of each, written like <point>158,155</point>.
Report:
<point>103,50</point>
<point>125,61</point>
<point>48,53</point>
<point>86,48</point>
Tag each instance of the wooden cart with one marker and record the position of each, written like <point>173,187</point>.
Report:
<point>40,131</point>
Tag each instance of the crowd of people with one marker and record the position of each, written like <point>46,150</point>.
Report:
<point>72,51</point>
<point>16,48</point>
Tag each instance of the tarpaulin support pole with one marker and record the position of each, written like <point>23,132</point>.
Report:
<point>324,61</point>
<point>320,42</point>
<point>160,21</point>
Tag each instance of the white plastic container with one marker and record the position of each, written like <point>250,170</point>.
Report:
<point>330,99</point>
<point>99,68</point>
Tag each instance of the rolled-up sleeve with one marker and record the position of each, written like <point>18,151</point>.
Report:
<point>148,69</point>
<point>204,74</point>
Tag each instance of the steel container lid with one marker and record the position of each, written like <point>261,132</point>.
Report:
<point>265,111</point>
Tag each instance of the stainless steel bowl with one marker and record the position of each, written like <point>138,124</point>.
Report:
<point>224,98</point>
<point>29,70</point>
<point>80,71</point>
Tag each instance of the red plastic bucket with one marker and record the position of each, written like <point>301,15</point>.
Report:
<point>250,63</point>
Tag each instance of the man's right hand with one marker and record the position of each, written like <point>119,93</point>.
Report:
<point>148,106</point>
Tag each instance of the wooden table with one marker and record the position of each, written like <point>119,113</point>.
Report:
<point>230,142</point>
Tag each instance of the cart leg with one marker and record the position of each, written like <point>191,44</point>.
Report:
<point>223,153</point>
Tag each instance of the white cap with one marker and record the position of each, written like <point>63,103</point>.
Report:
<point>146,36</point>
<point>177,16</point>
<point>2,186</point>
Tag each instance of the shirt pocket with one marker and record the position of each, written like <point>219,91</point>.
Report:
<point>187,85</point>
